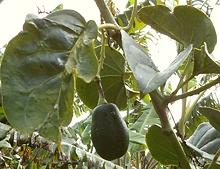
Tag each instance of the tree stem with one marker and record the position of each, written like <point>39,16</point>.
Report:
<point>109,26</point>
<point>196,91</point>
<point>105,12</point>
<point>102,99</point>
<point>133,15</point>
<point>162,110</point>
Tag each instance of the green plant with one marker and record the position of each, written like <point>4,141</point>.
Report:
<point>109,132</point>
<point>61,65</point>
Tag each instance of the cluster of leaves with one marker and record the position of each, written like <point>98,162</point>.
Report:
<point>55,60</point>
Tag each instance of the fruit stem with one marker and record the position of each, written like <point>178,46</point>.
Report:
<point>102,99</point>
<point>102,54</point>
<point>133,15</point>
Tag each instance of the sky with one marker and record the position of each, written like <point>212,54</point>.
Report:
<point>13,12</point>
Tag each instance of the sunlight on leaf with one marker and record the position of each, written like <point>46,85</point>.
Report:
<point>82,60</point>
<point>146,73</point>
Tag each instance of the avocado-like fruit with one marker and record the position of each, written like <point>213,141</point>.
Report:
<point>109,132</point>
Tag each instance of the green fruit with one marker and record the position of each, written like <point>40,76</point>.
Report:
<point>109,132</point>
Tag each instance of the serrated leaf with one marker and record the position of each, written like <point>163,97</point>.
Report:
<point>82,60</point>
<point>204,62</point>
<point>160,146</point>
<point>111,79</point>
<point>213,115</point>
<point>146,73</point>
<point>35,85</point>
<point>186,24</point>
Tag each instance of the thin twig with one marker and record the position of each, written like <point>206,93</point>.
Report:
<point>105,12</point>
<point>196,91</point>
<point>133,15</point>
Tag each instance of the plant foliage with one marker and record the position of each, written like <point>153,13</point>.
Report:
<point>61,65</point>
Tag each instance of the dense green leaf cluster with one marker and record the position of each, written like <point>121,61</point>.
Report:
<point>61,63</point>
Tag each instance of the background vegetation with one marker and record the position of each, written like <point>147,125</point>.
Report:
<point>60,65</point>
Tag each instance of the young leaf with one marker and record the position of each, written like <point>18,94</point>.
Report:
<point>186,24</point>
<point>146,73</point>
<point>82,60</point>
<point>35,84</point>
<point>213,115</point>
<point>204,63</point>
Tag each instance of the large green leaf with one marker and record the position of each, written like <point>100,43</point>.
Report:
<point>161,147</point>
<point>204,62</point>
<point>146,73</point>
<point>36,89</point>
<point>82,60</point>
<point>213,115</point>
<point>111,79</point>
<point>186,24</point>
